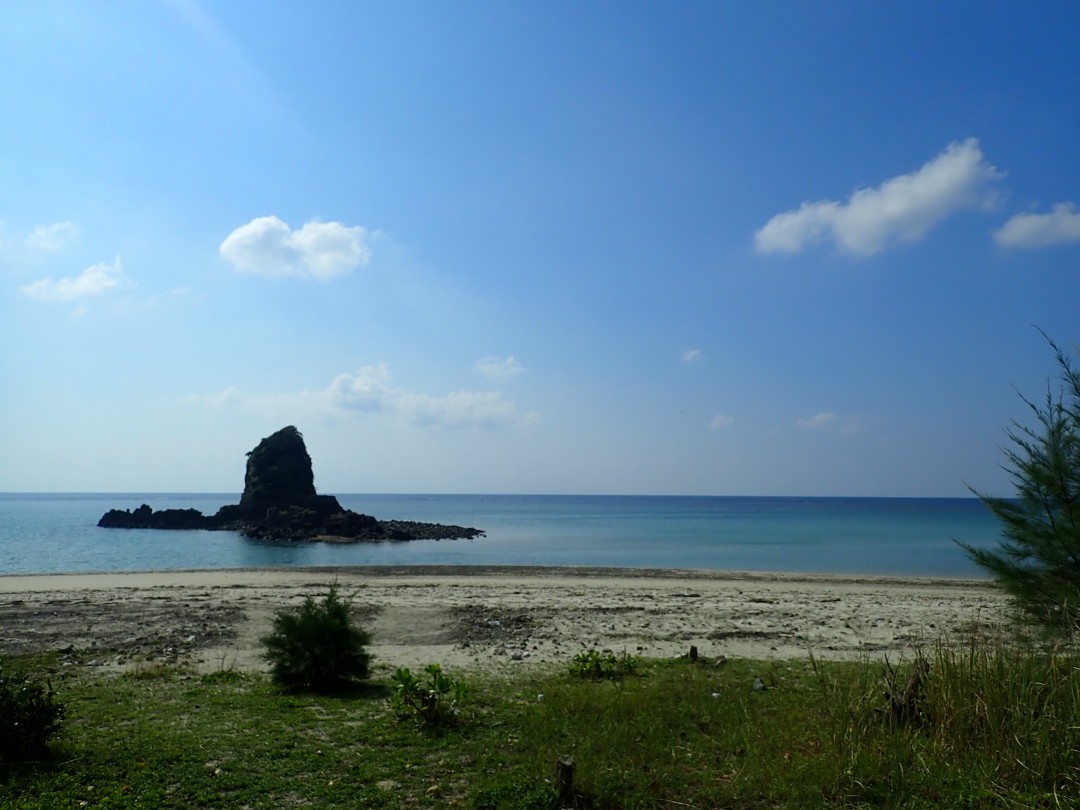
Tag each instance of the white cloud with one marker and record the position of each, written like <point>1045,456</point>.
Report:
<point>320,250</point>
<point>370,390</point>
<point>836,424</point>
<point>818,420</point>
<point>367,389</point>
<point>691,355</point>
<point>484,409</point>
<point>1060,225</point>
<point>721,421</point>
<point>499,368</point>
<point>93,281</point>
<point>52,238</point>
<point>902,209</point>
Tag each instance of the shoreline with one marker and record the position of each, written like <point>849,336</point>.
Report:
<point>490,618</point>
<point>7,580</point>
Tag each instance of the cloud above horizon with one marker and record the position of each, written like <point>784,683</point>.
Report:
<point>91,282</point>
<point>370,390</point>
<point>691,355</point>
<point>322,251</point>
<point>720,421</point>
<point>904,208</point>
<point>818,420</point>
<point>834,423</point>
<point>52,238</point>
<point>499,368</point>
<point>1060,225</point>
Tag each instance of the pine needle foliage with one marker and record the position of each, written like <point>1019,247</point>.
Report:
<point>317,649</point>
<point>30,715</point>
<point>1038,559</point>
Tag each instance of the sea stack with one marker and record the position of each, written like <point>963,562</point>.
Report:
<point>278,473</point>
<point>279,503</point>
<point>279,477</point>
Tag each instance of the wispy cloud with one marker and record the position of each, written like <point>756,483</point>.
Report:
<point>720,421</point>
<point>91,282</point>
<point>818,420</point>
<point>832,422</point>
<point>52,238</point>
<point>371,390</point>
<point>1061,224</point>
<point>691,355</point>
<point>318,250</point>
<point>499,368</point>
<point>902,209</point>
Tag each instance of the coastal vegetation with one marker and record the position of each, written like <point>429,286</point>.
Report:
<point>1038,561</point>
<point>984,725</point>
<point>318,648</point>
<point>593,663</point>
<point>433,699</point>
<point>30,714</point>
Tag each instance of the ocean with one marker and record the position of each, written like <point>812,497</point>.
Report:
<point>56,533</point>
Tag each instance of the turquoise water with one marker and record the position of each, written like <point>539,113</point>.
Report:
<point>46,533</point>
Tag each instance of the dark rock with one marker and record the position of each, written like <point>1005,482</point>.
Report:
<point>411,530</point>
<point>279,503</point>
<point>279,476</point>
<point>146,518</point>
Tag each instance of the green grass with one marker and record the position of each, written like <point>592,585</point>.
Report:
<point>995,727</point>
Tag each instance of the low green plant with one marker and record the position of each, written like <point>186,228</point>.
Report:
<point>603,665</point>
<point>226,676</point>
<point>30,715</point>
<point>317,649</point>
<point>158,671</point>
<point>516,791</point>
<point>434,700</point>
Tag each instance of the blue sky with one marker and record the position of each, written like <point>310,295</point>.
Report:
<point>688,248</point>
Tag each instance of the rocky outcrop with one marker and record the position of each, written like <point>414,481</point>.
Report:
<point>280,503</point>
<point>278,475</point>
<point>146,518</point>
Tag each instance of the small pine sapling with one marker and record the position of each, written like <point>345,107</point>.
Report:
<point>1038,561</point>
<point>30,715</point>
<point>317,649</point>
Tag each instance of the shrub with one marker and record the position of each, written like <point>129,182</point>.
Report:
<point>317,649</point>
<point>1038,562</point>
<point>434,701</point>
<point>30,715</point>
<point>596,665</point>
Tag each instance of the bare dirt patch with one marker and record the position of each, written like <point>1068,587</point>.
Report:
<point>108,631</point>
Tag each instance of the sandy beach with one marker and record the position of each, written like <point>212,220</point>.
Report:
<point>480,618</point>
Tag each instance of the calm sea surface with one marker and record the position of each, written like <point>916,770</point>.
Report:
<point>42,533</point>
